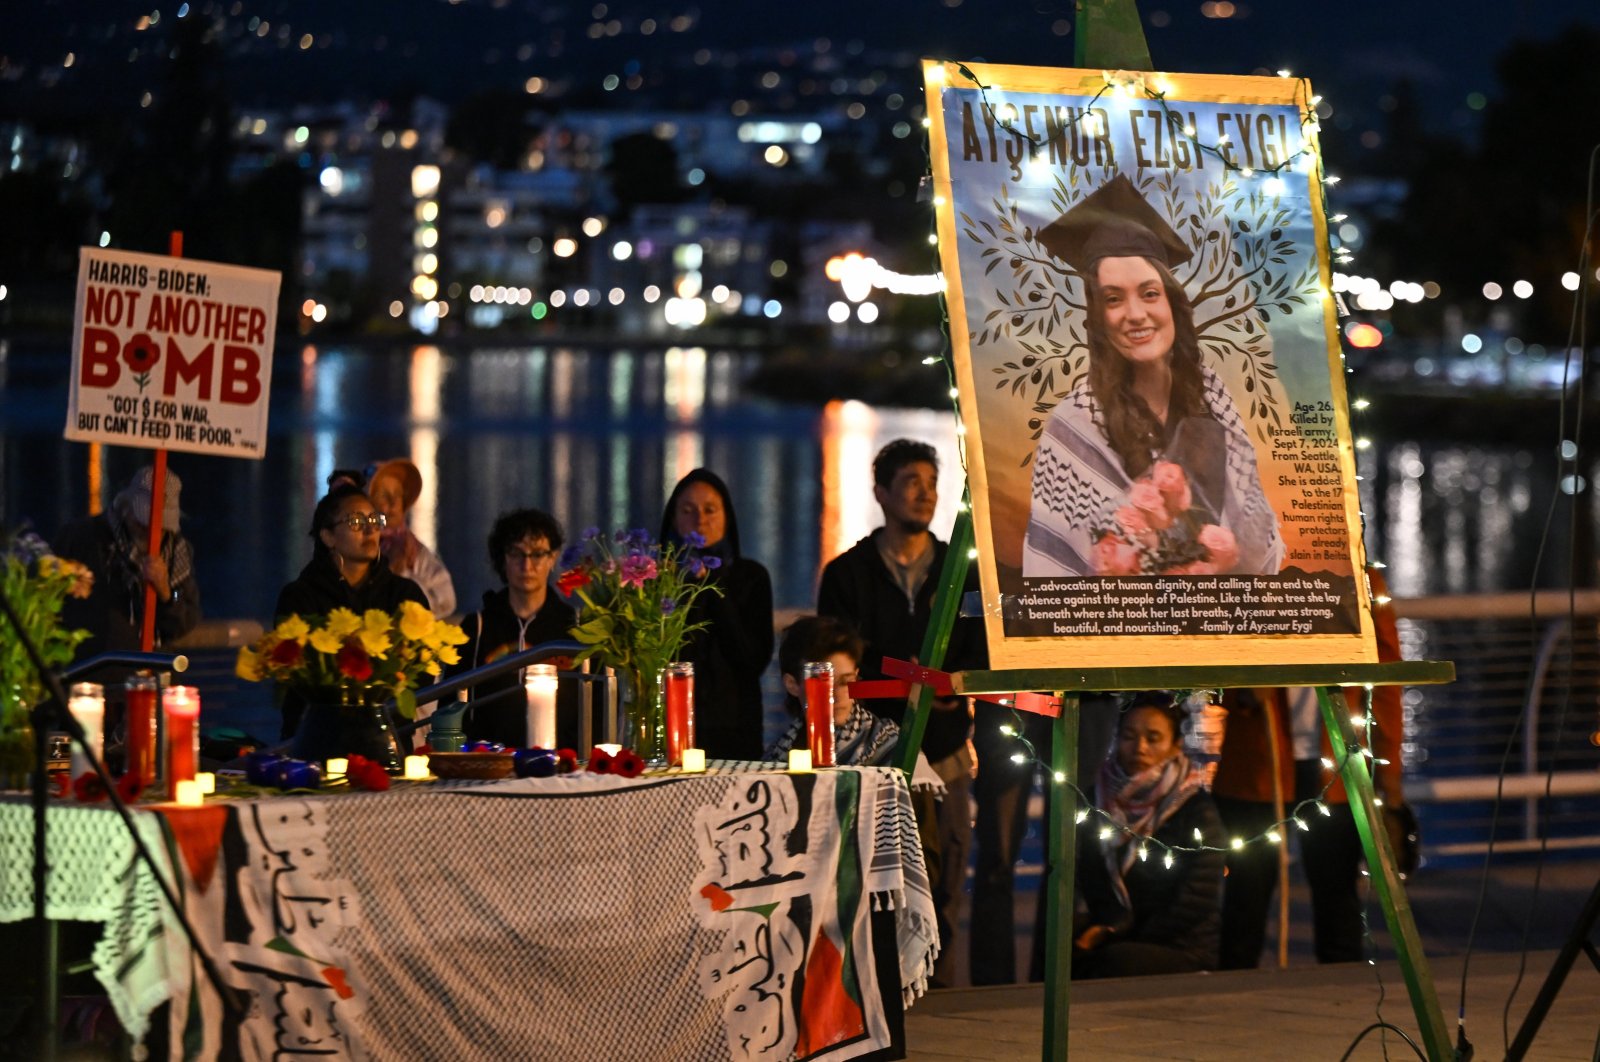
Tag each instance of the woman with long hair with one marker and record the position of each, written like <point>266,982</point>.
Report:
<point>1151,438</point>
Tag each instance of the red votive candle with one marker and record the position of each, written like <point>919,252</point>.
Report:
<point>181,704</point>
<point>819,711</point>
<point>141,724</point>
<point>677,682</point>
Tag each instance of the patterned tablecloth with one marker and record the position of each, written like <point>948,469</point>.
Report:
<point>716,916</point>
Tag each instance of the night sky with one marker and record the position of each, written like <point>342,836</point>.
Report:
<point>309,50</point>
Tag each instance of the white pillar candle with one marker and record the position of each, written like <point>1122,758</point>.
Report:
<point>336,767</point>
<point>799,759</point>
<point>87,704</point>
<point>694,761</point>
<point>207,782</point>
<point>609,750</point>
<point>416,768</point>
<point>540,684</point>
<point>187,793</point>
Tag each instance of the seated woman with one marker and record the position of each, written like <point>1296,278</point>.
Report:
<point>1144,917</point>
<point>861,738</point>
<point>346,570</point>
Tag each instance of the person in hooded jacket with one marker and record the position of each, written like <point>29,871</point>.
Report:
<point>731,653</point>
<point>346,570</point>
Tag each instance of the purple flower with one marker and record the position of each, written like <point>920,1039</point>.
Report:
<point>711,563</point>
<point>694,540</point>
<point>571,555</point>
<point>636,571</point>
<point>669,605</point>
<point>623,538</point>
<point>591,533</point>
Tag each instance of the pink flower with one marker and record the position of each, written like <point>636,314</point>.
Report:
<point>1147,499</point>
<point>1221,547</point>
<point>1198,567</point>
<point>1173,485</point>
<point>1135,526</point>
<point>1114,555</point>
<point>637,570</point>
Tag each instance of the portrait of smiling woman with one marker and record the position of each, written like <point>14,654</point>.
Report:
<point>1150,443</point>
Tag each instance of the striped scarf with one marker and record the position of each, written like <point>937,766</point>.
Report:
<point>1136,806</point>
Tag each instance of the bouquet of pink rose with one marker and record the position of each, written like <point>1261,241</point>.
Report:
<point>1157,530</point>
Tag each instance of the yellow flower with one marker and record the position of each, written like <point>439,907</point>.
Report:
<point>453,635</point>
<point>248,666</point>
<point>374,632</point>
<point>342,623</point>
<point>293,629</point>
<point>416,622</point>
<point>449,656</point>
<point>433,668</point>
<point>325,641</point>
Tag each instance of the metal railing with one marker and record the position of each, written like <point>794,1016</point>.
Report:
<point>1527,675</point>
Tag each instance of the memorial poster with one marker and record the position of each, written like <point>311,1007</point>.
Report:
<point>1147,356</point>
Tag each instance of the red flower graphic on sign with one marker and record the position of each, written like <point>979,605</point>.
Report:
<point>141,353</point>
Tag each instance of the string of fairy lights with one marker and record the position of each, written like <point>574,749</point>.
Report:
<point>1130,86</point>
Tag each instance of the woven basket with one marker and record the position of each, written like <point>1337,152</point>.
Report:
<point>470,764</point>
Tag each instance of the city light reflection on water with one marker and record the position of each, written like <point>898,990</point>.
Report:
<point>599,437</point>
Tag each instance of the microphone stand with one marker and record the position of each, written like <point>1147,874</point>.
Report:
<point>53,710</point>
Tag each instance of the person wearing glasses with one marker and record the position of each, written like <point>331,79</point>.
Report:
<point>524,612</point>
<point>346,570</point>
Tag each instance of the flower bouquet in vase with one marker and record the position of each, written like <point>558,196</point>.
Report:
<point>37,583</point>
<point>635,597</point>
<point>346,667</point>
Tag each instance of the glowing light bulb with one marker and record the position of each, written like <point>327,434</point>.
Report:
<point>1082,815</point>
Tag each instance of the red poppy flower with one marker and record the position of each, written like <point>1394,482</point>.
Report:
<point>628,764</point>
<point>88,788</point>
<point>129,786</point>
<point>423,750</point>
<point>367,774</point>
<point>354,663</point>
<point>62,784</point>
<point>572,579</point>
<point>566,761</point>
<point>599,761</point>
<point>287,653</point>
<point>141,353</point>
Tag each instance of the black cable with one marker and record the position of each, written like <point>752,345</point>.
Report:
<point>57,697</point>
<point>1538,562</point>
<point>1362,1035</point>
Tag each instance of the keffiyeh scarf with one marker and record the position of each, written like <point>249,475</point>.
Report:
<point>1137,805</point>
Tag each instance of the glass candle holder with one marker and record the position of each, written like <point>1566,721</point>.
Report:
<point>818,678</point>
<point>181,707</point>
<point>87,703</point>
<point>540,683</point>
<point>141,724</point>
<point>677,682</point>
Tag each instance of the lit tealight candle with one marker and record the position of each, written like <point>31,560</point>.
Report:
<point>187,793</point>
<point>337,767</point>
<point>207,782</point>
<point>694,761</point>
<point>609,750</point>
<point>416,768</point>
<point>799,759</point>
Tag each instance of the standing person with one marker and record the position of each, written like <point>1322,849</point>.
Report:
<point>884,586</point>
<point>346,570</point>
<point>524,612</point>
<point>1148,408</point>
<point>1289,721</point>
<point>114,546</point>
<point>394,487</point>
<point>731,653</point>
<point>1143,916</point>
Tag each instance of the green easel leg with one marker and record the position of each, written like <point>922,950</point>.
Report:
<point>1063,874</point>
<point>1385,879</point>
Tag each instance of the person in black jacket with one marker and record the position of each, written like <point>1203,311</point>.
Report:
<point>884,586</point>
<point>346,570</point>
<point>1145,917</point>
<point>524,612</point>
<point>731,653</point>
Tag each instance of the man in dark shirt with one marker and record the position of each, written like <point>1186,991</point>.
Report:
<point>884,585</point>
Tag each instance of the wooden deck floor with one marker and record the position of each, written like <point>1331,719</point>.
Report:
<point>1303,1014</point>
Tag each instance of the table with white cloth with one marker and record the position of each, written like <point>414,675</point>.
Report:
<point>737,914</point>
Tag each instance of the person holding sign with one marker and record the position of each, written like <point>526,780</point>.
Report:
<point>1146,916</point>
<point>1146,467</point>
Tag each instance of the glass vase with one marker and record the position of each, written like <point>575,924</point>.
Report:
<point>346,721</point>
<point>17,752</point>
<point>644,715</point>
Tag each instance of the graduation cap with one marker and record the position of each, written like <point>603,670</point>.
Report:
<point>1113,222</point>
